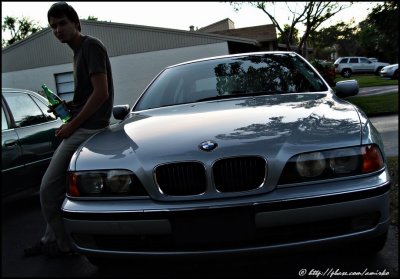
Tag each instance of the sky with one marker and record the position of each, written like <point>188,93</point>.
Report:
<point>174,15</point>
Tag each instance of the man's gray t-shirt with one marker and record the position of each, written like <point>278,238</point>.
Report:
<point>89,58</point>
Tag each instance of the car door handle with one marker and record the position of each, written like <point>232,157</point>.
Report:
<point>10,143</point>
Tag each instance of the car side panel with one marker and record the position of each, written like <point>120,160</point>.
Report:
<point>37,146</point>
<point>366,66</point>
<point>27,150</point>
<point>11,166</point>
<point>25,162</point>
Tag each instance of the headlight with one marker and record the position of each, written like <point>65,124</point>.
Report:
<point>91,183</point>
<point>333,163</point>
<point>119,182</point>
<point>104,183</point>
<point>344,161</point>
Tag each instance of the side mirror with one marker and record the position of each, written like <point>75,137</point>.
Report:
<point>346,88</point>
<point>120,111</point>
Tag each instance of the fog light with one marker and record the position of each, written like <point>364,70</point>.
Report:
<point>364,221</point>
<point>345,161</point>
<point>311,164</point>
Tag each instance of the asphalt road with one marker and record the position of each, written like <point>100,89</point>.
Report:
<point>388,127</point>
<point>376,90</point>
<point>22,225</point>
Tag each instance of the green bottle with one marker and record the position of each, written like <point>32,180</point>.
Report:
<point>57,103</point>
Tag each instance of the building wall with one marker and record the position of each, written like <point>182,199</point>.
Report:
<point>32,79</point>
<point>42,49</point>
<point>131,73</point>
<point>224,24</point>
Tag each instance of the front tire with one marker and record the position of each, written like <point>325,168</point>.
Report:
<point>396,74</point>
<point>372,246</point>
<point>378,70</point>
<point>110,263</point>
<point>346,73</point>
<point>98,262</point>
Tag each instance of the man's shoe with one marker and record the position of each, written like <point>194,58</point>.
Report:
<point>52,250</point>
<point>34,250</point>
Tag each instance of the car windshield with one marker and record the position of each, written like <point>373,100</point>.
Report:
<point>229,77</point>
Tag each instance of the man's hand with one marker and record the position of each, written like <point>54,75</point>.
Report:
<point>64,131</point>
<point>52,110</point>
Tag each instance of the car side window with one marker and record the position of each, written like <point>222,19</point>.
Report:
<point>24,110</point>
<point>343,61</point>
<point>364,60</point>
<point>50,116</point>
<point>353,60</point>
<point>4,124</point>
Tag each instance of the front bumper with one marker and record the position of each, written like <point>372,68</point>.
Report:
<point>387,74</point>
<point>227,229</point>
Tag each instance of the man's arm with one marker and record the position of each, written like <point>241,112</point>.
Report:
<point>97,98</point>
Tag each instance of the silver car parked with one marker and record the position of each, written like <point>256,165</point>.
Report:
<point>391,71</point>
<point>239,153</point>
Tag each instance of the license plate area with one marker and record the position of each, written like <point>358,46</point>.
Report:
<point>210,227</point>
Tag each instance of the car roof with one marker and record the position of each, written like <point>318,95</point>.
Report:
<point>14,90</point>
<point>232,55</point>
<point>352,57</point>
<point>9,90</point>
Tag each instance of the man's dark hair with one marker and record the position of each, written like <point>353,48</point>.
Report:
<point>61,9</point>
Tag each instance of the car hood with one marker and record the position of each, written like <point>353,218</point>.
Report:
<point>276,126</point>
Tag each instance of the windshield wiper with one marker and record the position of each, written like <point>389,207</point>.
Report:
<point>237,94</point>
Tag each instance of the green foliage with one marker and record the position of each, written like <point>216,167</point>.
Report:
<point>19,29</point>
<point>294,39</point>
<point>310,14</point>
<point>326,70</point>
<point>376,36</point>
<point>343,35</point>
<point>92,18</point>
<point>379,35</point>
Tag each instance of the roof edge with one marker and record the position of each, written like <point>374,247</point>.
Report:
<point>27,39</point>
<point>140,27</point>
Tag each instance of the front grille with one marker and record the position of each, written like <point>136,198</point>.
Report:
<point>181,179</point>
<point>230,175</point>
<point>239,174</point>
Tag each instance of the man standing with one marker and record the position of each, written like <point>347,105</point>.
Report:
<point>91,109</point>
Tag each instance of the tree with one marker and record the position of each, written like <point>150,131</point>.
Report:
<point>370,39</point>
<point>294,37</point>
<point>379,32</point>
<point>19,29</point>
<point>92,18</point>
<point>312,14</point>
<point>342,35</point>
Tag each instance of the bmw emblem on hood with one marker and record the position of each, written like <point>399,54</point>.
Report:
<point>208,145</point>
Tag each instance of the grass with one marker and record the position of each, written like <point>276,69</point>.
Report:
<point>369,80</point>
<point>393,164</point>
<point>374,105</point>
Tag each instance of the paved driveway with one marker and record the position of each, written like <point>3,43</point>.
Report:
<point>376,90</point>
<point>388,127</point>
